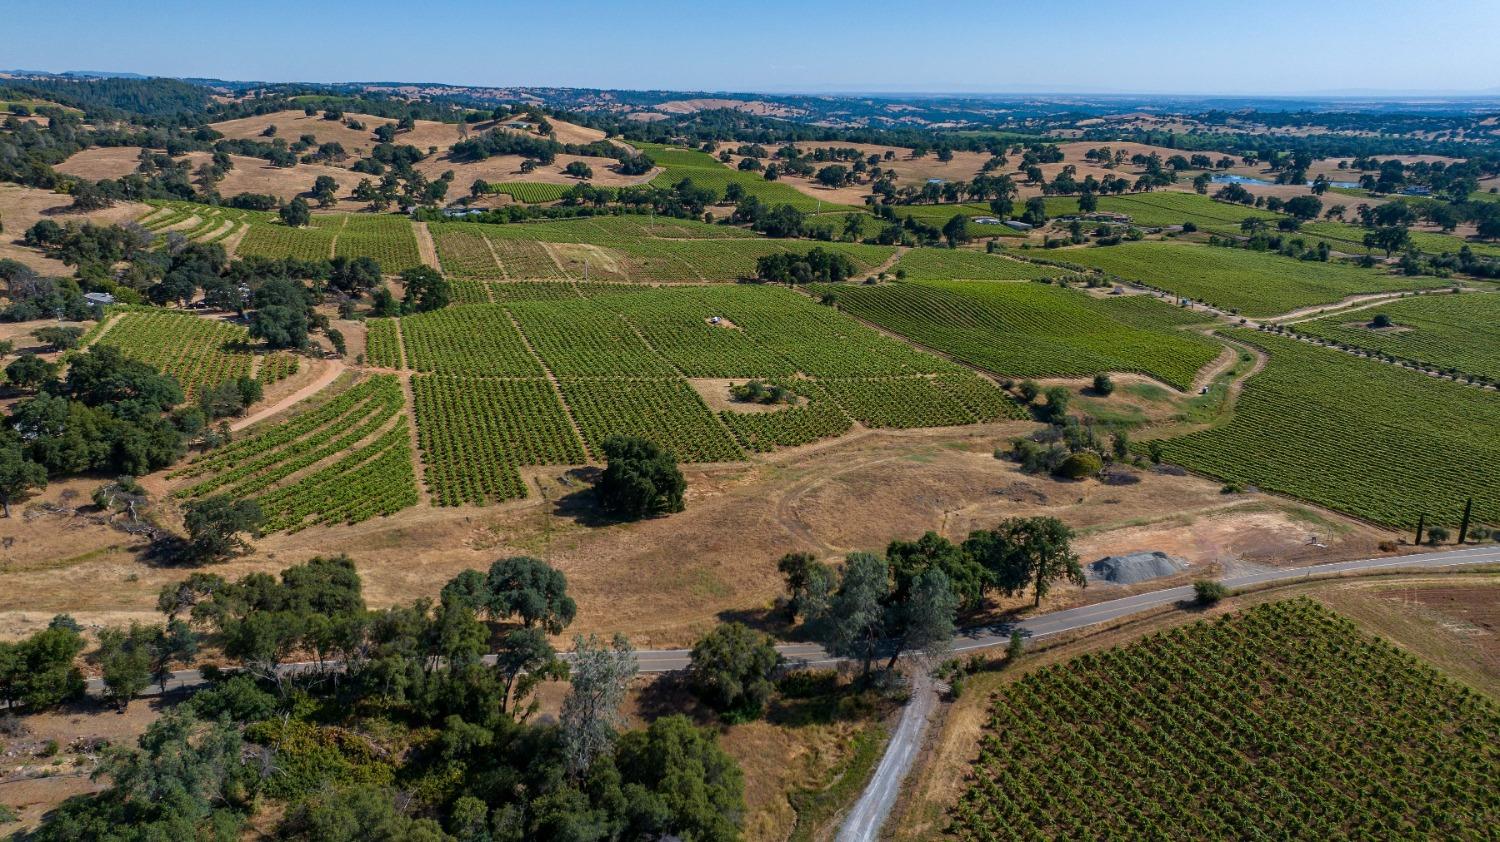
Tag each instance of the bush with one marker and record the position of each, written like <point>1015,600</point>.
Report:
<point>1103,385</point>
<point>8,815</point>
<point>1209,592</point>
<point>1080,465</point>
<point>1437,535</point>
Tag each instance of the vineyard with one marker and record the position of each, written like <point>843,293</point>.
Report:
<point>963,264</point>
<point>902,402</point>
<point>815,417</point>
<point>472,341</point>
<point>211,223</point>
<point>1283,721</point>
<point>476,432</point>
<point>1362,437</point>
<point>668,412</point>
<point>616,248</point>
<point>345,461</point>
<point>1163,209</point>
<point>531,192</point>
<point>1256,284</point>
<point>1037,330</point>
<point>200,353</point>
<point>1347,237</point>
<point>1457,332</point>
<point>387,239</point>
<point>382,346</point>
<point>276,367</point>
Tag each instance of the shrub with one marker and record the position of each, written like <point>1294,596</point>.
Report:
<point>1103,385</point>
<point>1437,535</point>
<point>1080,465</point>
<point>1209,592</point>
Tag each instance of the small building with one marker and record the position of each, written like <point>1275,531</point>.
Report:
<point>1018,225</point>
<point>987,220</point>
<point>99,299</point>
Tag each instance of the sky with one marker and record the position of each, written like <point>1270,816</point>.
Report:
<point>950,46</point>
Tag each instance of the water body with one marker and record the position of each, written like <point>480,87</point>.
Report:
<point>1230,178</point>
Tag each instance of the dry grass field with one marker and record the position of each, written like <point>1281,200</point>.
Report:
<point>21,208</point>
<point>508,168</point>
<point>669,579</point>
<point>292,124</point>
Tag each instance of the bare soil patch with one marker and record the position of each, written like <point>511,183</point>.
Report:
<point>292,124</point>
<point>715,393</point>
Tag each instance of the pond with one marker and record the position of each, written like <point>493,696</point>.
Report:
<point>1230,178</point>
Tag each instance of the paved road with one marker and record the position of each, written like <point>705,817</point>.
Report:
<point>1038,626</point>
<point>869,813</point>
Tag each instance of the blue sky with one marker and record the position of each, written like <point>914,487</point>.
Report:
<point>1207,46</point>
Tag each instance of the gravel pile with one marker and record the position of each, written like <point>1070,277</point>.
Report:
<point>1135,567</point>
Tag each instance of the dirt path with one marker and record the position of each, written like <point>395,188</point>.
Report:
<point>109,322</point>
<point>1231,395</point>
<point>330,374</point>
<point>890,261</point>
<point>1348,305</point>
<point>409,418</point>
<point>1207,374</point>
<point>425,246</point>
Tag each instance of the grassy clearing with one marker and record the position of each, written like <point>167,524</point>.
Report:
<point>1252,724</point>
<point>1159,210</point>
<point>1256,284</point>
<point>1037,330</point>
<point>1362,437</point>
<point>705,170</point>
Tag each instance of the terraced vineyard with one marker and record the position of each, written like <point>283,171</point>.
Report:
<point>966,264</point>
<point>1459,332</point>
<point>1256,284</point>
<point>214,223</point>
<point>1283,721</point>
<point>200,353</point>
<point>1355,435</point>
<point>476,432</point>
<point>344,461</point>
<point>1037,330</point>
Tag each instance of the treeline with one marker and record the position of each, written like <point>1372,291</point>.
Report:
<point>120,99</point>
<point>400,728</point>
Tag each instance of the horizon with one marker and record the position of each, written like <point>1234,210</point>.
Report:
<point>1282,50</point>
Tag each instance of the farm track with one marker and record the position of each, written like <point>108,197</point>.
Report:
<point>332,372</point>
<point>426,248</point>
<point>418,466</point>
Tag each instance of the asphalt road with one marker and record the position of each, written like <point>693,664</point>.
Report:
<point>1038,626</point>
<point>869,813</point>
